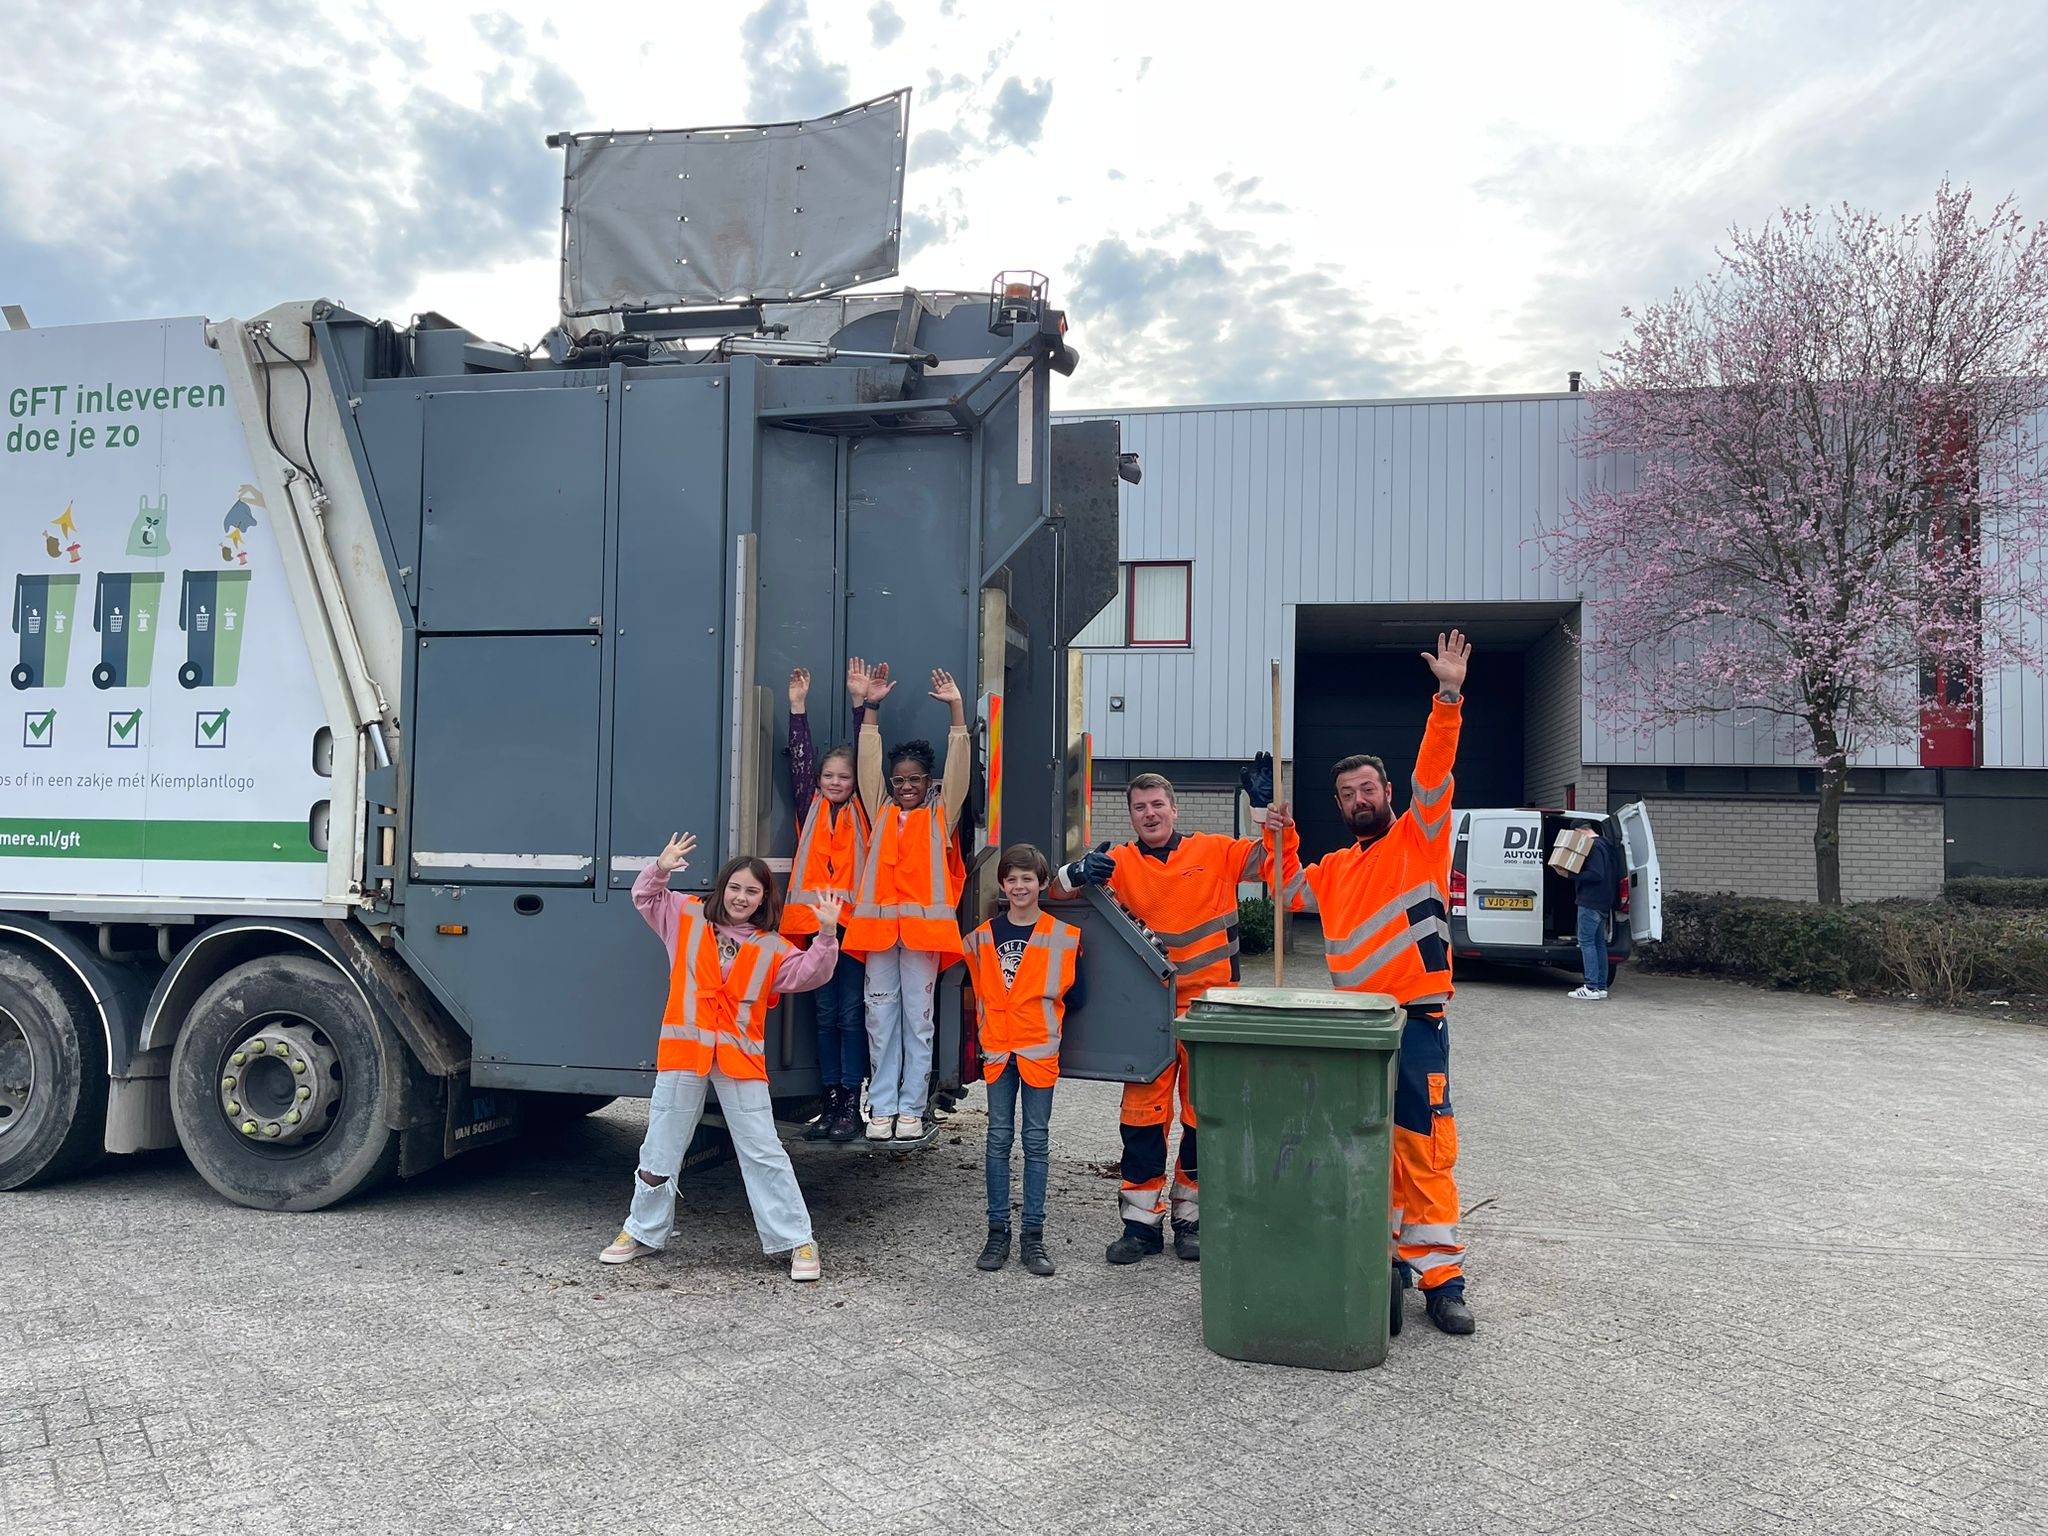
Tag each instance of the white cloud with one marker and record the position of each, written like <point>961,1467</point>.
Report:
<point>1416,201</point>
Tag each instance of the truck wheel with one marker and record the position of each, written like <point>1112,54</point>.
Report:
<point>278,1087</point>
<point>53,1075</point>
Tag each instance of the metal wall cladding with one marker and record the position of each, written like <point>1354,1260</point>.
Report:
<point>512,532</point>
<point>505,759</point>
<point>673,658</point>
<point>1429,501</point>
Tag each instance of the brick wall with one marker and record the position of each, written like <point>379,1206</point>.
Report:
<point>1765,847</point>
<point>1592,788</point>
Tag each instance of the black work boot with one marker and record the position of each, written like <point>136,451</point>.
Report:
<point>1187,1240</point>
<point>846,1120</point>
<point>821,1127</point>
<point>1031,1249</point>
<point>995,1253</point>
<point>1448,1311</point>
<point>1139,1241</point>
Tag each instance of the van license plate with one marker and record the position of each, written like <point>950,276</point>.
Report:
<point>1507,903</point>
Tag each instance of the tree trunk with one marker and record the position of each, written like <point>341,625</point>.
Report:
<point>1827,831</point>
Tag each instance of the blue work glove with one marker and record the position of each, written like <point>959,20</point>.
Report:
<point>1092,869</point>
<point>1257,779</point>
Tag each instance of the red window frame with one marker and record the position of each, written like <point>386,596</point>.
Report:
<point>1187,621</point>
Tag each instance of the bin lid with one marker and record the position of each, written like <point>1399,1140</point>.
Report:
<point>1314,1017</point>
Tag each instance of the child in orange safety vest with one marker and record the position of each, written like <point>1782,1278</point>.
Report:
<point>728,968</point>
<point>1025,967</point>
<point>904,924</point>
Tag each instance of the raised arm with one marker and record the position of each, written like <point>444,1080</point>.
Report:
<point>803,757</point>
<point>809,969</point>
<point>869,688</point>
<point>959,770</point>
<point>661,906</point>
<point>1429,801</point>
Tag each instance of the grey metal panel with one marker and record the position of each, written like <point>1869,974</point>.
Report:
<point>388,413</point>
<point>798,597</point>
<point>670,667</point>
<point>1123,1032</point>
<point>1084,498</point>
<point>513,532</point>
<point>505,760</point>
<point>909,602</point>
<point>703,215</point>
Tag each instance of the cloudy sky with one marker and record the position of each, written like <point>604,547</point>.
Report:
<point>1293,201</point>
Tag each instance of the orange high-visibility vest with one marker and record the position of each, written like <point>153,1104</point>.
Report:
<point>829,857</point>
<point>715,1019</point>
<point>1386,927</point>
<point>1024,1017</point>
<point>1189,901</point>
<point>909,887</point>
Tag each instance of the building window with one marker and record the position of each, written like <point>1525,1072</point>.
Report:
<point>1153,605</point>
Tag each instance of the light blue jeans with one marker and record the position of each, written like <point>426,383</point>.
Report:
<point>780,1215</point>
<point>1003,1094</point>
<point>902,990</point>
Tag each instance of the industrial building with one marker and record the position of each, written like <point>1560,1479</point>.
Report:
<point>1339,537</point>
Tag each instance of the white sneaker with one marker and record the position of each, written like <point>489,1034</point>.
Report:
<point>625,1249</point>
<point>1588,995</point>
<point>909,1127</point>
<point>803,1262</point>
<point>880,1127</point>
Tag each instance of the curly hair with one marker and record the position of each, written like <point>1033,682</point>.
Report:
<point>918,752</point>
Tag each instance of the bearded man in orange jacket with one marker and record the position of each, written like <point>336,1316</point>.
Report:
<point>1386,928</point>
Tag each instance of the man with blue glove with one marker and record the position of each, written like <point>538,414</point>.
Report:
<point>1183,886</point>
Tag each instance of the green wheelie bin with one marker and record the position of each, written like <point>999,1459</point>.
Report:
<point>1294,1093</point>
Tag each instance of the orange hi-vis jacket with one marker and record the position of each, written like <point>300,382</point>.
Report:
<point>830,854</point>
<point>715,1019</point>
<point>909,887</point>
<point>1189,901</point>
<point>1024,1016</point>
<point>1385,922</point>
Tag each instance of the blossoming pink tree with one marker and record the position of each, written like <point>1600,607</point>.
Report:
<point>1820,485</point>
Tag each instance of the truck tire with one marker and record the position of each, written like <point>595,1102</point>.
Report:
<point>283,1032</point>
<point>53,1074</point>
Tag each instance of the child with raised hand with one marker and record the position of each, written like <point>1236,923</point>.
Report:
<point>904,924</point>
<point>831,846</point>
<point>728,967</point>
<point>1026,969</point>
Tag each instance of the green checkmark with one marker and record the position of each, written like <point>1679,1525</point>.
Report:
<point>37,728</point>
<point>124,728</point>
<point>212,728</point>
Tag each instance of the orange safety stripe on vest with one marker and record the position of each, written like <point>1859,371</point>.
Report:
<point>827,864</point>
<point>1189,901</point>
<point>715,1019</point>
<point>1024,1017</point>
<point>909,888</point>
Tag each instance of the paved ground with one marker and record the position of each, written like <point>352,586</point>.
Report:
<point>1741,1263</point>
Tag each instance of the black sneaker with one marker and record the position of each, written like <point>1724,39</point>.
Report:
<point>821,1127</point>
<point>995,1253</point>
<point>1448,1311</point>
<point>1031,1249</point>
<point>1138,1242</point>
<point>1187,1241</point>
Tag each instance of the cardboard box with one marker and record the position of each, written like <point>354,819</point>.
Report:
<point>1573,847</point>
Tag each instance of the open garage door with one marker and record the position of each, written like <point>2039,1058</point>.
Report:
<point>1360,686</point>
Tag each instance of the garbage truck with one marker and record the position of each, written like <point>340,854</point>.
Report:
<point>339,884</point>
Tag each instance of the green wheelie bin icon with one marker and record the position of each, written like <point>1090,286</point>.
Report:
<point>1294,1091</point>
<point>211,608</point>
<point>42,617</point>
<point>124,607</point>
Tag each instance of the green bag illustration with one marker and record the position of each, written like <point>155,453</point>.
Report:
<point>149,537</point>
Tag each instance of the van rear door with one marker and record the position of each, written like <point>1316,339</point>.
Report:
<point>1645,880</point>
<point>1504,878</point>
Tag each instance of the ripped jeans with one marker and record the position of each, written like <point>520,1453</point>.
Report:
<point>780,1215</point>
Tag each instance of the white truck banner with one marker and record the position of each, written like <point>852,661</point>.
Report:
<point>161,741</point>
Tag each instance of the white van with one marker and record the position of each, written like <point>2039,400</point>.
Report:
<point>1507,903</point>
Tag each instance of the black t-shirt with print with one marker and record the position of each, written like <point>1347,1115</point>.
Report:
<point>1010,939</point>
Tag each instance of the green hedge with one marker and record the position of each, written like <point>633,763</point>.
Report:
<point>1996,891</point>
<point>1255,926</point>
<point>1940,951</point>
